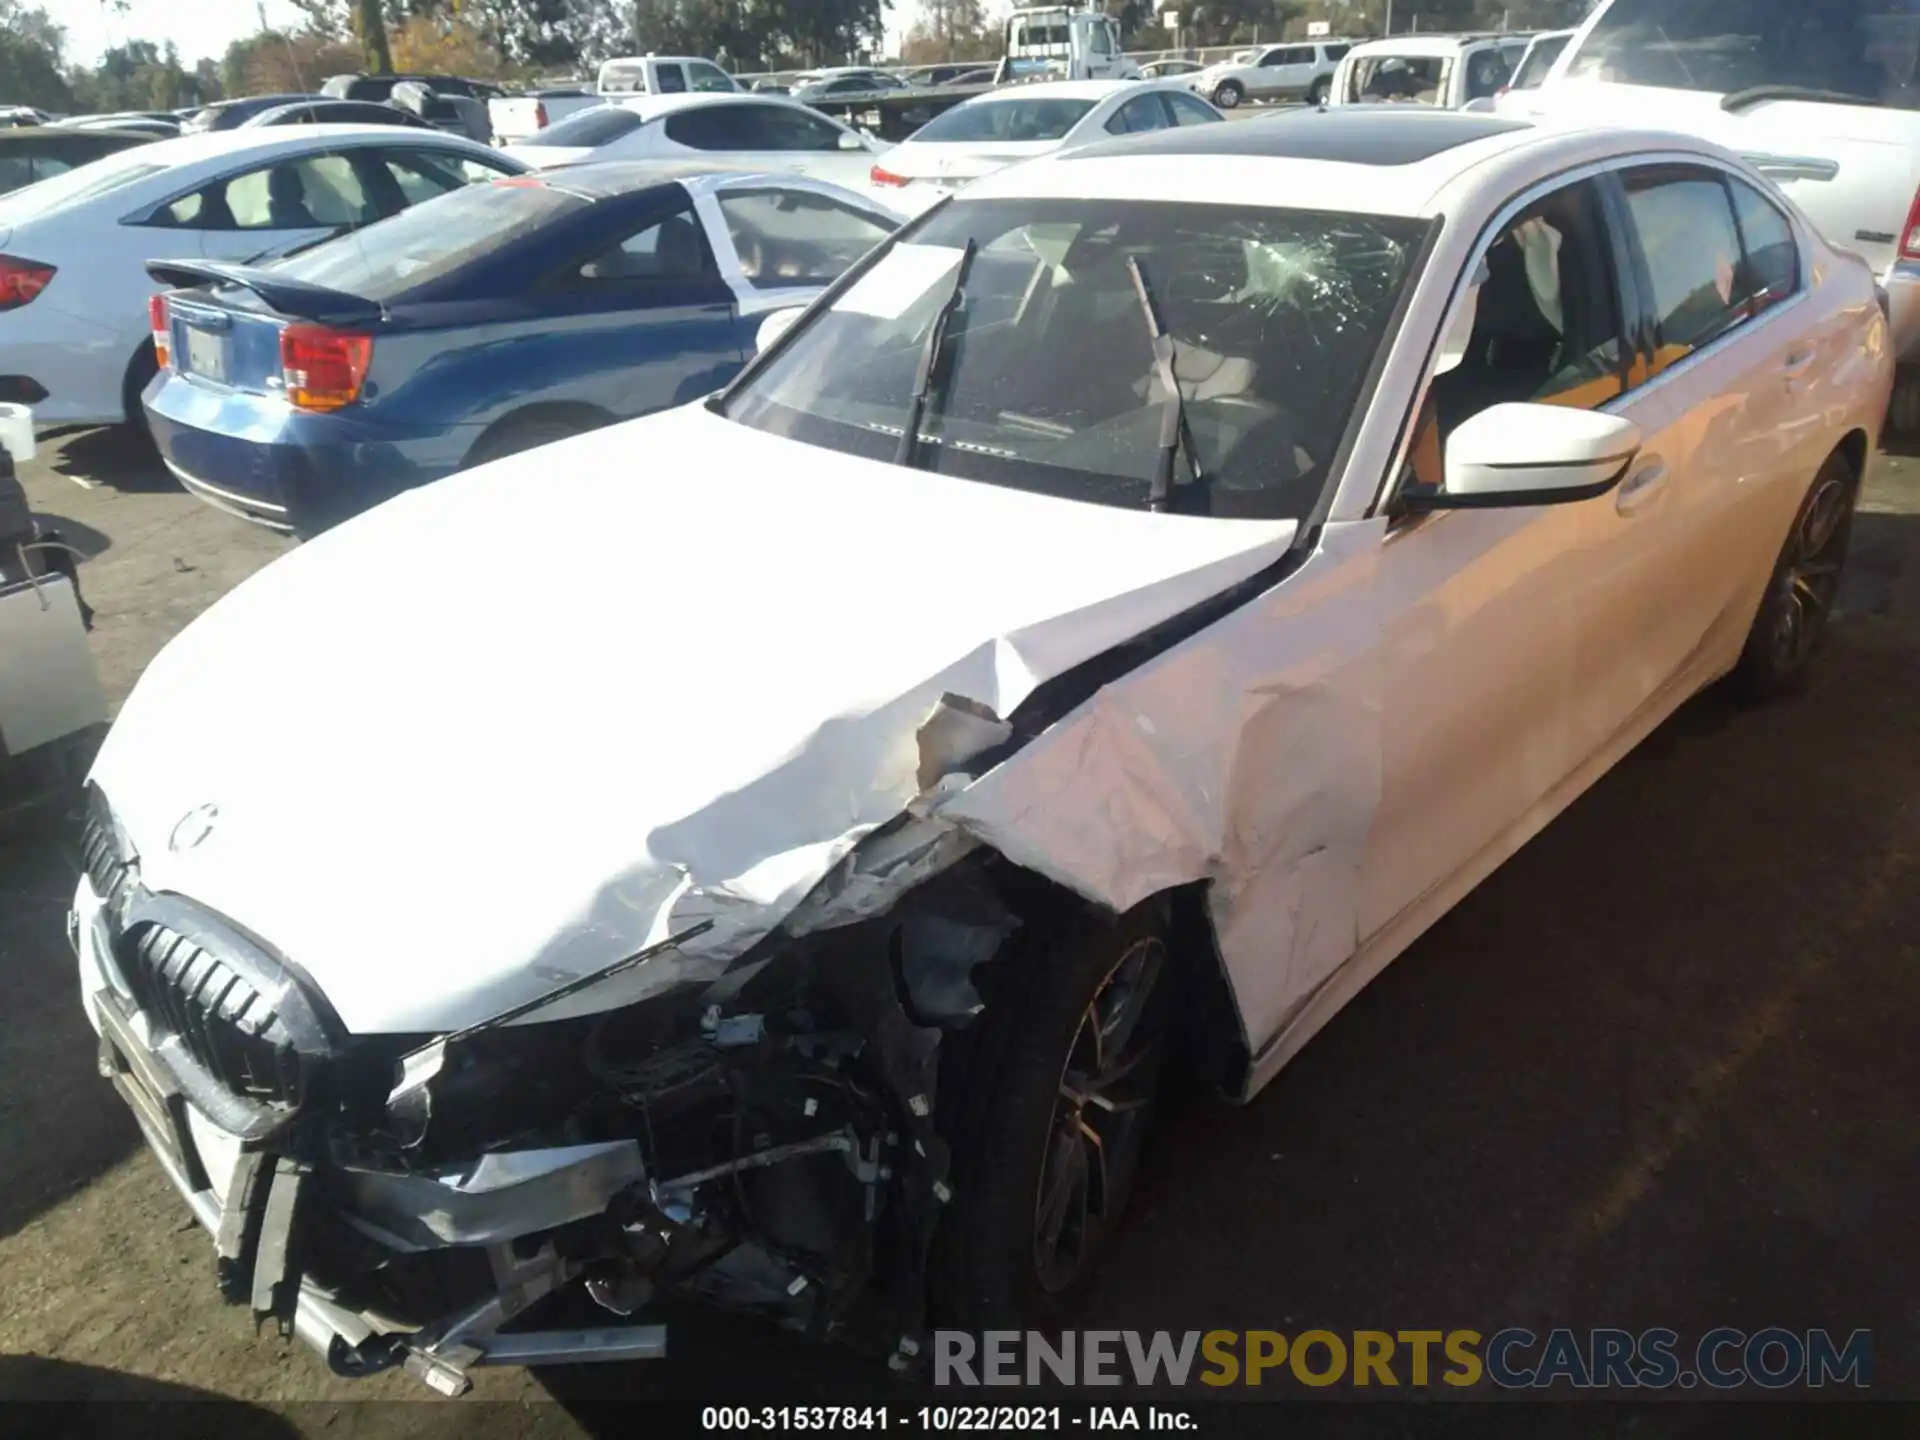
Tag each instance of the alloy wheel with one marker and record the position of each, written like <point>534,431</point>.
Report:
<point>1810,579</point>
<point>1099,1119</point>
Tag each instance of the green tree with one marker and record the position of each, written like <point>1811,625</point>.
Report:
<point>32,46</point>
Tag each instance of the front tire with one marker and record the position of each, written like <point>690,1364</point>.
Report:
<point>1792,623</point>
<point>1317,94</point>
<point>1059,1093</point>
<point>1228,94</point>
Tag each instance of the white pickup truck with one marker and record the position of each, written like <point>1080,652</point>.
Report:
<point>522,117</point>
<point>1824,99</point>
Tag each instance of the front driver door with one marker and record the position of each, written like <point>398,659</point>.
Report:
<point>1481,666</point>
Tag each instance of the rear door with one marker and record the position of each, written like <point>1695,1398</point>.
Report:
<point>1729,419</point>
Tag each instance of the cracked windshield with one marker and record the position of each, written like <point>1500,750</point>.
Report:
<point>1033,340</point>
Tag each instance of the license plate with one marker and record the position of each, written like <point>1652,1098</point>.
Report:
<point>206,354</point>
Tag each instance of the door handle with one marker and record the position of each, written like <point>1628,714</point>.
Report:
<point>1799,362</point>
<point>1641,487</point>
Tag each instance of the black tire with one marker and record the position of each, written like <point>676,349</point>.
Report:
<point>1013,1128</point>
<point>1792,621</point>
<point>140,372</point>
<point>1317,93</point>
<point>1903,411</point>
<point>1228,94</point>
<point>514,436</point>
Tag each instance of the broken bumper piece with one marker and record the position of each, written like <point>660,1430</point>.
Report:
<point>262,1208</point>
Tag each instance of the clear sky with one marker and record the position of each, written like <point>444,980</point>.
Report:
<point>198,27</point>
<point>207,27</point>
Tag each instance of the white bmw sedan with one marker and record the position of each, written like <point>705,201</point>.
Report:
<point>1136,602</point>
<point>75,335</point>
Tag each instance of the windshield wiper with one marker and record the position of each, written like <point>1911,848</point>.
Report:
<point>1746,99</point>
<point>929,373</point>
<point>1175,435</point>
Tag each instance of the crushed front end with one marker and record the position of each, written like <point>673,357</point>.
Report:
<point>519,1191</point>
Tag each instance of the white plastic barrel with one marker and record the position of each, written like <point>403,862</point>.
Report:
<point>16,432</point>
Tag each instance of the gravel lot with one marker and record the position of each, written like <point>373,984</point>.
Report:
<point>1659,1070</point>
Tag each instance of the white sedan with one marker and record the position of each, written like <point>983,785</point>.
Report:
<point>981,135</point>
<point>762,132</point>
<point>1157,583</point>
<point>75,341</point>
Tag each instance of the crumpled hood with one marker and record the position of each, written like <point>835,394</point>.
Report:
<point>506,730</point>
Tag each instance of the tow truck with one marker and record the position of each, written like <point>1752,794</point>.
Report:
<point>1043,42</point>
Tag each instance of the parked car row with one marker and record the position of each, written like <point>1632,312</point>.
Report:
<point>1125,607</point>
<point>494,319</point>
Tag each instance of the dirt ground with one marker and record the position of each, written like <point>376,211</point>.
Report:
<point>1658,1071</point>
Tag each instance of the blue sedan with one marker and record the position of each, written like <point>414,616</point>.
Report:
<point>499,317</point>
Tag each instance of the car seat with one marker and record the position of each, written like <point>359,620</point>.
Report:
<point>287,200</point>
<point>1514,348</point>
<point>679,249</point>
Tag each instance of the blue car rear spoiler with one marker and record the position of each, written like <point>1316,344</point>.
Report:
<point>289,297</point>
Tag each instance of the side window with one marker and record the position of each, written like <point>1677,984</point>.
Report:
<point>1274,59</point>
<point>1770,272</point>
<point>1687,233</point>
<point>673,80</point>
<point>1334,53</point>
<point>673,247</point>
<point>1486,72</point>
<point>717,127</point>
<point>308,194</point>
<point>707,77</point>
<point>784,127</point>
<point>1141,113</point>
<point>423,174</point>
<point>18,170</point>
<point>1547,324</point>
<point>794,237</point>
<point>1189,111</point>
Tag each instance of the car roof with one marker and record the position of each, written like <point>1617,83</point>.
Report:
<point>1378,160</point>
<point>604,179</point>
<point>650,106</point>
<point>597,180</point>
<point>1063,90</point>
<point>214,144</point>
<point>1431,44</point>
<point>285,98</point>
<point>56,137</point>
<point>1358,135</point>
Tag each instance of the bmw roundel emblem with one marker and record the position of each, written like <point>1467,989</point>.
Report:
<point>193,827</point>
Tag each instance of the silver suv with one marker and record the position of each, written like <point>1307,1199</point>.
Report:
<point>1301,71</point>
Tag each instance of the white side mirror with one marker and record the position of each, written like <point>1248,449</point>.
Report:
<point>774,326</point>
<point>850,141</point>
<point>1520,455</point>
